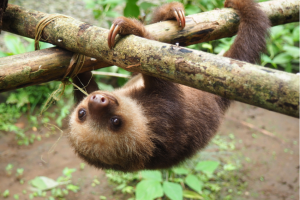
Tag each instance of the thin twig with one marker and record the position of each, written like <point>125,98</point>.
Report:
<point>263,131</point>
<point>111,74</point>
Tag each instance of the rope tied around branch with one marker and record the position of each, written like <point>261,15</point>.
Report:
<point>74,68</point>
<point>42,24</point>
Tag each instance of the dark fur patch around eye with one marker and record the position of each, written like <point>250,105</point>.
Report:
<point>82,114</point>
<point>115,123</point>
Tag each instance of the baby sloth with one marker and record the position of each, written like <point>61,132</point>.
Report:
<point>152,123</point>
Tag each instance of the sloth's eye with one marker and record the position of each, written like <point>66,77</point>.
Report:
<point>116,122</point>
<point>81,114</point>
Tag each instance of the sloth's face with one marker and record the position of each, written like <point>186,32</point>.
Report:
<point>110,131</point>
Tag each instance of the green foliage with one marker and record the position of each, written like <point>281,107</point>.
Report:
<point>59,188</point>
<point>9,168</point>
<point>205,179</point>
<point>148,190</point>
<point>283,48</point>
<point>16,196</point>
<point>5,194</point>
<point>180,171</point>
<point>17,45</point>
<point>193,182</point>
<point>44,183</point>
<point>151,184</point>
<point>103,10</point>
<point>20,172</point>
<point>207,167</point>
<point>173,190</point>
<point>27,100</point>
<point>152,175</point>
<point>108,83</point>
<point>131,9</point>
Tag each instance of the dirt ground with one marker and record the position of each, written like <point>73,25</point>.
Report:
<point>273,170</point>
<point>271,165</point>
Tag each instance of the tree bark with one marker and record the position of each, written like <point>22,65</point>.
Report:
<point>39,67</point>
<point>199,28</point>
<point>241,81</point>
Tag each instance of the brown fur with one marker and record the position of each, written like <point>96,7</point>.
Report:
<point>163,123</point>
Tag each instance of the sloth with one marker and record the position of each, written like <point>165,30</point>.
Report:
<point>151,123</point>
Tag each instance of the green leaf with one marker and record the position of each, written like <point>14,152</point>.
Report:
<point>229,167</point>
<point>5,193</point>
<point>265,59</point>
<point>292,50</point>
<point>131,10</point>
<point>23,98</point>
<point>123,71</point>
<point>9,167</point>
<point>282,58</point>
<point>89,4</point>
<point>288,67</point>
<point>72,188</point>
<point>103,86</point>
<point>112,14</point>
<point>14,44</point>
<point>296,34</point>
<point>172,190</point>
<point>68,171</point>
<point>191,195</point>
<point>97,13</point>
<point>16,196</point>
<point>191,9</point>
<point>152,175</point>
<point>146,5</point>
<point>44,183</point>
<point>207,167</point>
<point>45,45</point>
<point>207,46</point>
<point>57,192</point>
<point>110,2</point>
<point>3,54</point>
<point>277,31</point>
<point>180,171</point>
<point>148,190</point>
<point>288,39</point>
<point>12,99</point>
<point>112,69</point>
<point>193,182</point>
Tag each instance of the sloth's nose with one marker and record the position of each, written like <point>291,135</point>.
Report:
<point>97,103</point>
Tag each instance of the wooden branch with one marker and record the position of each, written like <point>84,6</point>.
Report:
<point>267,88</point>
<point>255,85</point>
<point>199,28</point>
<point>220,23</point>
<point>39,67</point>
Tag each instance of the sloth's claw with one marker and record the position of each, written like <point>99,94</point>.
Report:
<point>179,14</point>
<point>114,30</point>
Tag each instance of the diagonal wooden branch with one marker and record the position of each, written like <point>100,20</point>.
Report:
<point>270,89</point>
<point>200,27</point>
<point>255,85</point>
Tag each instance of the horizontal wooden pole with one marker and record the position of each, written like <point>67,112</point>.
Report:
<point>255,85</point>
<point>41,66</point>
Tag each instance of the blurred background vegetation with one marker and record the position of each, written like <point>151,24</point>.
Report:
<point>193,180</point>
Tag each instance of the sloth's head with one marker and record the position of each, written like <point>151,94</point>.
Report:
<point>109,130</point>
